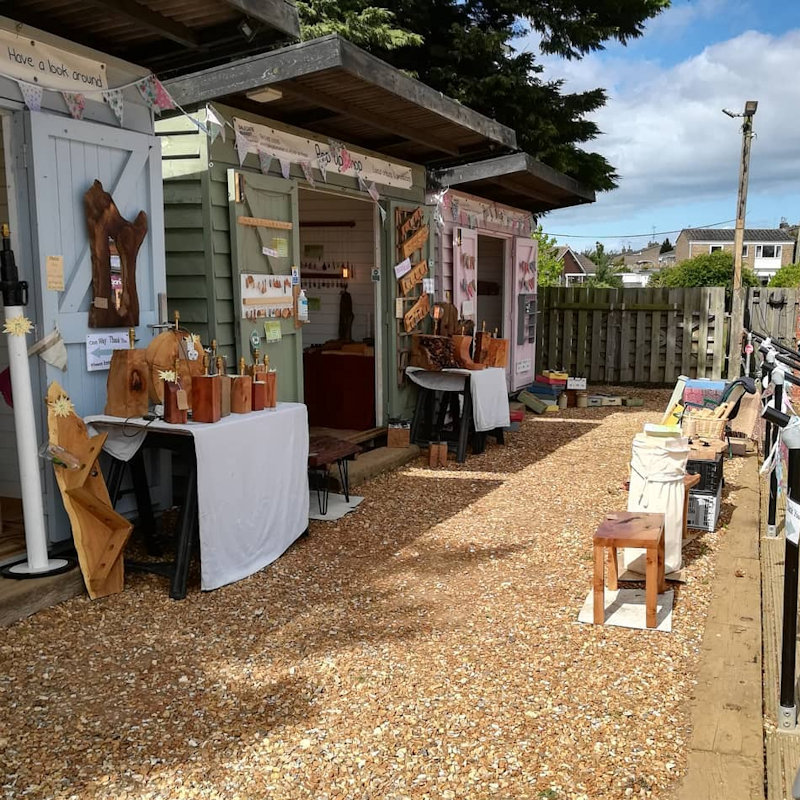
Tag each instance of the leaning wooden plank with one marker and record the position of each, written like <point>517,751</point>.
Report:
<point>256,222</point>
<point>718,352</point>
<point>689,304</point>
<point>702,333</point>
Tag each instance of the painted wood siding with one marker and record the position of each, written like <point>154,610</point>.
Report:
<point>355,245</point>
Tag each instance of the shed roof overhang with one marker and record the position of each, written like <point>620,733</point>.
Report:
<point>166,36</point>
<point>517,180</point>
<point>334,88</point>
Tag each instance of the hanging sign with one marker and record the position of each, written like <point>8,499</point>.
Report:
<point>48,66</point>
<point>100,346</point>
<point>297,149</point>
<point>54,269</point>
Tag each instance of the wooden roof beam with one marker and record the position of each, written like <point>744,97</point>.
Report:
<point>151,21</point>
<point>278,14</point>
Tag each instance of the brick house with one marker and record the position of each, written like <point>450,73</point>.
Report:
<point>577,267</point>
<point>765,250</point>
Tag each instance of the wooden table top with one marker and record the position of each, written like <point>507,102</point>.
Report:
<point>324,450</point>
<point>630,529</point>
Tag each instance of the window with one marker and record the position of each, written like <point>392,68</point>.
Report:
<point>745,250</point>
<point>768,251</point>
<point>712,248</point>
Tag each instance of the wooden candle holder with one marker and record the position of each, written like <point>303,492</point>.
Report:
<point>206,398</point>
<point>496,353</point>
<point>127,384</point>
<point>271,383</point>
<point>242,394</point>
<point>259,394</point>
<point>225,395</point>
<point>172,413</point>
<point>481,346</point>
<point>462,356</point>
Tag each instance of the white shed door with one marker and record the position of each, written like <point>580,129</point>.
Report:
<point>523,333</point>
<point>64,157</point>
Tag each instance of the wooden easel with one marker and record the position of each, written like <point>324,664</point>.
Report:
<point>100,533</point>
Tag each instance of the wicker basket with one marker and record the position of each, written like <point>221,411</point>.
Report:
<point>704,427</point>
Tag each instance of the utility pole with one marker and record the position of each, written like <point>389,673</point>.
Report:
<point>737,305</point>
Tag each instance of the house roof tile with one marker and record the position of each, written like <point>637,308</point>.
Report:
<point>726,234</point>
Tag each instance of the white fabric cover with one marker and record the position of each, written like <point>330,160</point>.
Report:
<point>488,388</point>
<point>252,485</point>
<point>658,466</point>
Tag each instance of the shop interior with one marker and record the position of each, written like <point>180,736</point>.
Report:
<point>12,531</point>
<point>491,284</point>
<point>337,254</point>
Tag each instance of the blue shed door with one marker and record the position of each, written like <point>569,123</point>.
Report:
<point>64,157</point>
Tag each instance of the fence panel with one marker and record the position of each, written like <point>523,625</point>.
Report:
<point>773,312</point>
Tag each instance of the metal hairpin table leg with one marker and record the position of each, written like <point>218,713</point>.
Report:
<point>186,532</point>
<point>344,478</point>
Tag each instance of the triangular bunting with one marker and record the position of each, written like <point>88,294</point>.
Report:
<point>373,192</point>
<point>383,213</point>
<point>264,161</point>
<point>347,162</point>
<point>306,167</point>
<point>163,99</point>
<point>241,147</point>
<point>114,99</point>
<point>321,168</point>
<point>76,103</point>
<point>215,124</point>
<point>147,90</point>
<point>286,166</point>
<point>362,184</point>
<point>32,95</point>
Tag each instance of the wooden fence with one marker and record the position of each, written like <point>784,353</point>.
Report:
<point>773,312</point>
<point>632,335</point>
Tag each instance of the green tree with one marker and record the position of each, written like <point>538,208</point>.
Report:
<point>787,277</point>
<point>549,265</point>
<point>466,49</point>
<point>666,246</point>
<point>709,269</point>
<point>606,275</point>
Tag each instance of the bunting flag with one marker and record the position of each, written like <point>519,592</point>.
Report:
<point>347,162</point>
<point>215,124</point>
<point>306,167</point>
<point>163,99</point>
<point>321,168</point>
<point>383,213</point>
<point>373,192</point>
<point>76,103</point>
<point>147,90</point>
<point>264,161</point>
<point>241,148</point>
<point>32,95</point>
<point>362,184</point>
<point>286,166</point>
<point>114,99</point>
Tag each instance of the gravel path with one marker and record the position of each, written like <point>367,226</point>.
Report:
<point>425,646</point>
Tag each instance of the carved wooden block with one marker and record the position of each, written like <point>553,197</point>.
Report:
<point>241,394</point>
<point>225,395</point>
<point>206,398</point>
<point>461,345</point>
<point>173,413</point>
<point>259,395</point>
<point>127,392</point>
<point>271,381</point>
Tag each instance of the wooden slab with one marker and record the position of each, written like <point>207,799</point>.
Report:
<point>127,386</point>
<point>256,222</point>
<point>271,396</point>
<point>225,395</point>
<point>242,394</point>
<point>259,395</point>
<point>206,398</point>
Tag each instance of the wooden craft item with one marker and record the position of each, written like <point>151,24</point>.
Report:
<point>161,354</point>
<point>461,348</point>
<point>271,383</point>
<point>481,346</point>
<point>259,398</point>
<point>127,392</point>
<point>100,534</point>
<point>108,232</point>
<point>417,313</point>
<point>447,323</point>
<point>432,352</point>
<point>256,222</point>
<point>412,222</point>
<point>496,353</point>
<point>225,395</point>
<point>173,413</point>
<point>241,394</point>
<point>206,398</point>
<point>414,243</point>
<point>413,277</point>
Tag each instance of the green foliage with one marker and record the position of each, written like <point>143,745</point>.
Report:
<point>666,246</point>
<point>787,277</point>
<point>465,48</point>
<point>549,266</point>
<point>607,275</point>
<point>709,269</point>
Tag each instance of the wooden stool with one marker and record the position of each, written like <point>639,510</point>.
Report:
<point>689,482</point>
<point>629,529</point>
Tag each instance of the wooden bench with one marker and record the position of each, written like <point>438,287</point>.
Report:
<point>629,529</point>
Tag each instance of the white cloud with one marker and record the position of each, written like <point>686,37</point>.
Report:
<point>664,131</point>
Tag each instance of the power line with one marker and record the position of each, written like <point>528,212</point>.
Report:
<point>634,235</point>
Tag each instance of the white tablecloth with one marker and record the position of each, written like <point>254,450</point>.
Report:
<point>488,388</point>
<point>252,484</point>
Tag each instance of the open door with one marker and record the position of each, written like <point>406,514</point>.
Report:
<point>523,341</point>
<point>265,241</point>
<point>465,273</point>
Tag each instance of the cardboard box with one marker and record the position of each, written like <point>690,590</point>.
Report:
<point>738,446</point>
<point>398,437</point>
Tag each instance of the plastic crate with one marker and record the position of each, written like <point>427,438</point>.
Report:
<point>704,510</point>
<point>710,472</point>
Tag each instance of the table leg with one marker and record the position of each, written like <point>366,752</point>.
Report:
<point>416,420</point>
<point>662,581</point>
<point>651,586</point>
<point>685,513</point>
<point>141,490</point>
<point>344,479</point>
<point>464,424</point>
<point>613,569</point>
<point>186,531</point>
<point>598,586</point>
<point>115,473</point>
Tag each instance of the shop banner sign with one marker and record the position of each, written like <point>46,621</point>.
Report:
<point>49,67</point>
<point>100,346</point>
<point>296,149</point>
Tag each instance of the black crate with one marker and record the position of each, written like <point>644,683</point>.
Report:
<point>710,473</point>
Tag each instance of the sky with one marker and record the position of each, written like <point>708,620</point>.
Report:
<point>663,129</point>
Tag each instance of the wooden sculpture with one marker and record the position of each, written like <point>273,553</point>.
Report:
<point>432,352</point>
<point>161,354</point>
<point>206,396</point>
<point>127,384</point>
<point>242,391</point>
<point>225,388</point>
<point>461,346</point>
<point>99,532</point>
<point>111,235</point>
<point>271,381</point>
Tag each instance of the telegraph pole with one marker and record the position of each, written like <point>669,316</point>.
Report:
<point>737,305</point>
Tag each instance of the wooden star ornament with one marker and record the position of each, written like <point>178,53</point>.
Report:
<point>17,326</point>
<point>62,406</point>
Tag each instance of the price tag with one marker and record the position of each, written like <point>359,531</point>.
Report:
<point>182,400</point>
<point>792,524</point>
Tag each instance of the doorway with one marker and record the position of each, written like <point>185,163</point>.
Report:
<point>341,363</point>
<point>491,285</point>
